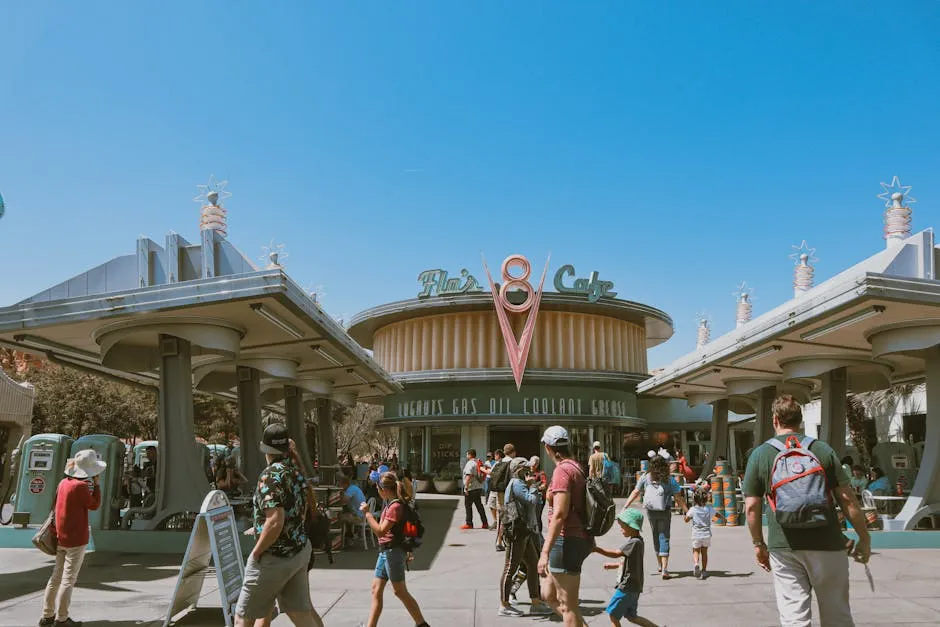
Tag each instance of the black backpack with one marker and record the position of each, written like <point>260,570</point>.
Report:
<point>499,476</point>
<point>409,531</point>
<point>600,508</point>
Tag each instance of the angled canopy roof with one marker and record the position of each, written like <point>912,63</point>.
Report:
<point>106,320</point>
<point>831,324</point>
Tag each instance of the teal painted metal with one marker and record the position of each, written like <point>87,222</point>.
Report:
<point>42,467</point>
<point>110,450</point>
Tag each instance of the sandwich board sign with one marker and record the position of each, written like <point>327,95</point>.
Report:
<point>214,540</point>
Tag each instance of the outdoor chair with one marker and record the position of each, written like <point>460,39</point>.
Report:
<point>364,528</point>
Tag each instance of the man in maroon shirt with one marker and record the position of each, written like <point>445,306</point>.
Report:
<point>78,493</point>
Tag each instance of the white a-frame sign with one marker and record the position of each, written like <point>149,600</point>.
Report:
<point>214,539</point>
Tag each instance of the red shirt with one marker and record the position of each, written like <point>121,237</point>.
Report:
<point>73,500</point>
<point>394,512</point>
<point>568,477</point>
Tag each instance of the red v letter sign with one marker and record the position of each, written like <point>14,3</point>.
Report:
<point>518,351</point>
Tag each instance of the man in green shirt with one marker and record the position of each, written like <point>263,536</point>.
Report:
<point>804,559</point>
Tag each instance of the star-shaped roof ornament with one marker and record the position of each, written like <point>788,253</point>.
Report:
<point>213,193</point>
<point>799,251</point>
<point>273,255</point>
<point>743,291</point>
<point>896,192</point>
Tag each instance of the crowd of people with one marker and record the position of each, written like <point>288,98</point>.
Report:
<point>805,549</point>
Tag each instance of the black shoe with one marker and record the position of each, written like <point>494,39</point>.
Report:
<point>68,622</point>
<point>500,547</point>
<point>47,622</point>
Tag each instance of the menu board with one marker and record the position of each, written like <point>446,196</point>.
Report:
<point>214,540</point>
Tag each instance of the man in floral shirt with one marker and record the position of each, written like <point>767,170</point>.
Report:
<point>277,566</point>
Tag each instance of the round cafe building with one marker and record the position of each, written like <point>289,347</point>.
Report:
<point>479,371</point>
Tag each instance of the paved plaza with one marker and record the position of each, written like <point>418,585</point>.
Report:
<point>455,578</point>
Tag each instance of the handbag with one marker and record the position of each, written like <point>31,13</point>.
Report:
<point>46,539</point>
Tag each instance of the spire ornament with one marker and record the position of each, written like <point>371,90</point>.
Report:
<point>803,272</point>
<point>213,215</point>
<point>744,308</point>
<point>273,255</point>
<point>704,333</point>
<point>897,201</point>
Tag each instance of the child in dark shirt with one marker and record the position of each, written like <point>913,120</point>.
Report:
<point>626,597</point>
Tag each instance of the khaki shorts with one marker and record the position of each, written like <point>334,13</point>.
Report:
<point>272,577</point>
<point>495,500</point>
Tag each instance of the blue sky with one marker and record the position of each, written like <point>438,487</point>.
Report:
<point>677,147</point>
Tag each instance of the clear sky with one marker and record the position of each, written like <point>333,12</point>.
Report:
<point>677,147</point>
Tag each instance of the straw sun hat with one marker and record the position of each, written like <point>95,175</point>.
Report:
<point>84,465</point>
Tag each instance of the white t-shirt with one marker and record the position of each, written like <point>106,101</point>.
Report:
<point>701,519</point>
<point>470,468</point>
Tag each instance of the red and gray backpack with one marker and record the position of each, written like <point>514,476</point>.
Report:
<point>799,490</point>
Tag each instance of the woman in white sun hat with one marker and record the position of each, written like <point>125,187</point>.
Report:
<point>77,494</point>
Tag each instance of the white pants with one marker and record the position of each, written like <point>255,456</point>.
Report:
<point>67,564</point>
<point>797,573</point>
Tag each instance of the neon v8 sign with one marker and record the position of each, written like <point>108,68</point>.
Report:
<point>516,270</point>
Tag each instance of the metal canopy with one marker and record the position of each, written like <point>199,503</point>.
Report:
<point>274,317</point>
<point>831,321</point>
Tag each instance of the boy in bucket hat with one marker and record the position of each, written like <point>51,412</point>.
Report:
<point>623,604</point>
<point>76,494</point>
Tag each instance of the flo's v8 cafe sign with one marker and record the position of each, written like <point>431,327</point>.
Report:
<point>438,282</point>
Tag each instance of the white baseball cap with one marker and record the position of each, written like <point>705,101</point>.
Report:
<point>597,444</point>
<point>555,435</point>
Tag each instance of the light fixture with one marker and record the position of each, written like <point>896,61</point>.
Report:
<point>358,377</point>
<point>287,327</point>
<point>54,347</point>
<point>702,375</point>
<point>841,323</point>
<point>326,355</point>
<point>770,350</point>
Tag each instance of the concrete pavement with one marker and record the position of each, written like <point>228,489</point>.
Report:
<point>455,579</point>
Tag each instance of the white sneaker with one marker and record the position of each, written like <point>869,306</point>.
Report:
<point>510,611</point>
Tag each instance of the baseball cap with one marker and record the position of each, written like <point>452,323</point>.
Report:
<point>632,518</point>
<point>517,463</point>
<point>555,435</point>
<point>597,444</point>
<point>275,440</point>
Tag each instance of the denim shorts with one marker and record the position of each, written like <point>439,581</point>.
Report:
<point>391,565</point>
<point>567,555</point>
<point>623,604</point>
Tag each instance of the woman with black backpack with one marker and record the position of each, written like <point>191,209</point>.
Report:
<point>392,559</point>
<point>522,539</point>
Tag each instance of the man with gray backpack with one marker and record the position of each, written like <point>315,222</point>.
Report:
<point>802,480</point>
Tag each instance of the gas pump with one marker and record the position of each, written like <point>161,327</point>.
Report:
<point>110,450</point>
<point>42,467</point>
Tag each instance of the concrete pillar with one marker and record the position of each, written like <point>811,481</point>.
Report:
<point>832,423</point>
<point>925,495</point>
<point>764,420</point>
<point>181,479</point>
<point>249,422</point>
<point>326,441</point>
<point>719,434</point>
<point>294,406</point>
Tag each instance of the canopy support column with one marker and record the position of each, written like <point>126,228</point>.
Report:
<point>294,406</point>
<point>764,419</point>
<point>832,426</point>
<point>719,435</point>
<point>249,422</point>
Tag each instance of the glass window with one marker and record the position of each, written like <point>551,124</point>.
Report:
<point>414,449</point>
<point>445,449</point>
<point>580,444</point>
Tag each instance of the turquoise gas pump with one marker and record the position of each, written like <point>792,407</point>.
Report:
<point>110,450</point>
<point>42,467</point>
